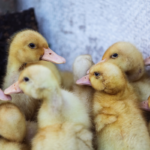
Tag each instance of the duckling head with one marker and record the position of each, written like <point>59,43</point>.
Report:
<point>127,57</point>
<point>105,77</point>
<point>36,81</point>
<point>28,46</point>
<point>86,62</point>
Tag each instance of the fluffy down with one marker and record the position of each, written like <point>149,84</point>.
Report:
<point>63,121</point>
<point>117,116</point>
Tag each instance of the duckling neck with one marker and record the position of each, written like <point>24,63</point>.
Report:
<point>14,64</point>
<point>12,72</point>
<point>124,94</point>
<point>50,110</point>
<point>136,73</point>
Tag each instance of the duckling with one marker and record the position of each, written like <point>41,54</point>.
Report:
<point>130,60</point>
<point>32,126</point>
<point>50,66</point>
<point>26,46</point>
<point>66,80</point>
<point>84,92</point>
<point>12,136</point>
<point>117,116</point>
<point>63,121</point>
<point>8,145</point>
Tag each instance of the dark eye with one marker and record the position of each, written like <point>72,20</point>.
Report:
<point>26,79</point>
<point>115,55</point>
<point>96,74</point>
<point>32,45</point>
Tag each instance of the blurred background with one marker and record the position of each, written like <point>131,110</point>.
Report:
<point>74,27</point>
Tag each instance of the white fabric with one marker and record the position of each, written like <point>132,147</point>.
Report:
<point>75,27</point>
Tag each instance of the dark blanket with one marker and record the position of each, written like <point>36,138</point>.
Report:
<point>9,24</point>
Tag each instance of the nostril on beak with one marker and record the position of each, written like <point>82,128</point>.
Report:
<point>50,53</point>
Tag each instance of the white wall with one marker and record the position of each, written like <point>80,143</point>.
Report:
<point>75,27</point>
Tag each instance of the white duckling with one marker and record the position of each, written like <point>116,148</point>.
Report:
<point>63,121</point>
<point>12,128</point>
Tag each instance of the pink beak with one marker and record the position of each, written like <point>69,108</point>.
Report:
<point>14,88</point>
<point>4,97</point>
<point>145,105</point>
<point>147,61</point>
<point>88,72</point>
<point>49,55</point>
<point>84,81</point>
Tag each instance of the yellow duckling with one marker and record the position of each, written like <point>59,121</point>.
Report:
<point>12,128</point>
<point>63,121</point>
<point>8,145</point>
<point>26,46</point>
<point>130,60</point>
<point>117,117</point>
<point>30,125</point>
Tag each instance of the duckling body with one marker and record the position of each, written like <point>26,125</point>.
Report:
<point>116,125</point>
<point>8,145</point>
<point>66,80</point>
<point>84,92</point>
<point>63,121</point>
<point>68,129</point>
<point>32,127</point>
<point>117,116</point>
<point>12,128</point>
<point>26,47</point>
<point>142,87</point>
<point>130,60</point>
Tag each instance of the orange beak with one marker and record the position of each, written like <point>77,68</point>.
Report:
<point>14,88</point>
<point>49,55</point>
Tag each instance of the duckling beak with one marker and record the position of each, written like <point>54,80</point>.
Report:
<point>4,97</point>
<point>145,105</point>
<point>14,88</point>
<point>147,61</point>
<point>49,55</point>
<point>84,81</point>
<point>88,72</point>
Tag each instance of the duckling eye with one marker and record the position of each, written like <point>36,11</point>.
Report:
<point>26,79</point>
<point>115,55</point>
<point>32,45</point>
<point>96,74</point>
